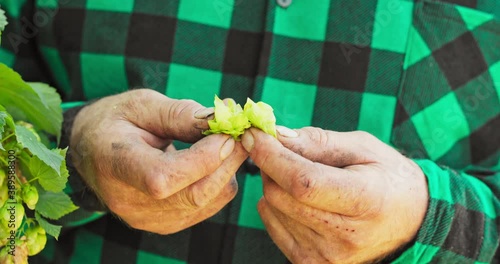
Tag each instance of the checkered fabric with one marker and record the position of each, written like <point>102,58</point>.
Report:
<point>422,76</point>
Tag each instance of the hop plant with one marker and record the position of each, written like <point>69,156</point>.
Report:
<point>32,175</point>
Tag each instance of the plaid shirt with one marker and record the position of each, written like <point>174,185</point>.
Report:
<point>422,76</point>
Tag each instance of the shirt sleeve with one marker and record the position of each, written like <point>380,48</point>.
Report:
<point>19,51</point>
<point>461,221</point>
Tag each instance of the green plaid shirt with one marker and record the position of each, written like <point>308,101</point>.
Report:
<point>422,76</point>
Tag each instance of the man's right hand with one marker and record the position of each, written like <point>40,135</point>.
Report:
<point>121,145</point>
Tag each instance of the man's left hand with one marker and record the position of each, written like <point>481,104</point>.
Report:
<point>336,197</point>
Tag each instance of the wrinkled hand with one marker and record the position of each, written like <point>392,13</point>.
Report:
<point>332,197</point>
<point>121,145</point>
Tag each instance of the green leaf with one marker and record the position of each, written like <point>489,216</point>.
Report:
<point>48,178</point>
<point>51,99</point>
<point>9,120</point>
<point>28,140</point>
<point>3,22</point>
<point>5,119</point>
<point>32,104</point>
<point>53,230</point>
<point>54,205</point>
<point>3,122</point>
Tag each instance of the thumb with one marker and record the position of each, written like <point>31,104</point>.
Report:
<point>339,149</point>
<point>165,117</point>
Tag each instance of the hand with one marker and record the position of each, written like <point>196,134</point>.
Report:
<point>121,145</point>
<point>332,197</point>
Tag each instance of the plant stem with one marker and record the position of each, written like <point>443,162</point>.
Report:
<point>4,161</point>
<point>34,179</point>
<point>7,137</point>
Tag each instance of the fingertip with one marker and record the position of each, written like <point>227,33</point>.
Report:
<point>248,141</point>
<point>286,133</point>
<point>261,206</point>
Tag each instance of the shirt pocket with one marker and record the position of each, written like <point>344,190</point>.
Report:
<point>448,103</point>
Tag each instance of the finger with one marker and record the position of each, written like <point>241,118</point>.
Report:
<point>165,117</point>
<point>170,148</point>
<point>302,213</point>
<point>316,219</point>
<point>132,131</point>
<point>281,237</point>
<point>304,236</point>
<point>337,149</point>
<point>171,221</point>
<point>294,173</point>
<point>324,187</point>
<point>204,191</point>
<point>161,174</point>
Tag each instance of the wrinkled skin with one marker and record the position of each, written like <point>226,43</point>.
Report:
<point>332,197</point>
<point>121,145</point>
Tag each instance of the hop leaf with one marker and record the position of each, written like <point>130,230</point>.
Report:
<point>228,119</point>
<point>261,115</point>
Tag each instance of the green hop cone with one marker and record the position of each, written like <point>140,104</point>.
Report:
<point>36,238</point>
<point>261,115</point>
<point>12,215</point>
<point>228,119</point>
<point>30,196</point>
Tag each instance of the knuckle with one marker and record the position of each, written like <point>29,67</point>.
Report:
<point>184,200</point>
<point>142,93</point>
<point>303,185</point>
<point>364,136</point>
<point>155,186</point>
<point>318,135</point>
<point>199,197</point>
<point>179,107</point>
<point>263,157</point>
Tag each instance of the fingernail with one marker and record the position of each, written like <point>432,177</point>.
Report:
<point>286,132</point>
<point>204,113</point>
<point>227,149</point>
<point>247,141</point>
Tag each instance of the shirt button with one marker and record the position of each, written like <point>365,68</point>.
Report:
<point>284,3</point>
